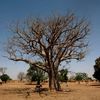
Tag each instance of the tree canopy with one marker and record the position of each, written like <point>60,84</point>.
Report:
<point>51,41</point>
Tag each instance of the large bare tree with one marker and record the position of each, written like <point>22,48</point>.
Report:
<point>51,41</point>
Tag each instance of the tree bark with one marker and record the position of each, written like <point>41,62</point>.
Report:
<point>54,81</point>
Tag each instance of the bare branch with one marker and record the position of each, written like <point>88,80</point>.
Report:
<point>60,38</point>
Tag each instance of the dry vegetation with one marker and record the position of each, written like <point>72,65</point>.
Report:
<point>74,91</point>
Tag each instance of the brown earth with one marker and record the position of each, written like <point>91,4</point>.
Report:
<point>74,91</point>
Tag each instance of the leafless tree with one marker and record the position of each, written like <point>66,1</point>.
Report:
<point>51,41</point>
<point>21,76</point>
<point>2,70</point>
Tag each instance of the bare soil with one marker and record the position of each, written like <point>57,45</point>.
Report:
<point>74,91</point>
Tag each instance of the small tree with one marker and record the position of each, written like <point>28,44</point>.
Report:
<point>2,70</point>
<point>81,76</point>
<point>5,78</point>
<point>21,76</point>
<point>97,69</point>
<point>36,74</point>
<point>63,75</point>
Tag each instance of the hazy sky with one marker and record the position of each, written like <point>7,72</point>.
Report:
<point>13,10</point>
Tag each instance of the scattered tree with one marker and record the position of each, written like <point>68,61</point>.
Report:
<point>2,70</point>
<point>97,69</point>
<point>36,74</point>
<point>21,76</point>
<point>5,78</point>
<point>63,75</point>
<point>81,76</point>
<point>51,41</point>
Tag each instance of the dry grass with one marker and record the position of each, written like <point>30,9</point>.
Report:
<point>74,91</point>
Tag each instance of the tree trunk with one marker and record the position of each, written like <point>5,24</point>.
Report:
<point>54,81</point>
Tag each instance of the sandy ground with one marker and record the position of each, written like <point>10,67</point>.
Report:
<point>74,91</point>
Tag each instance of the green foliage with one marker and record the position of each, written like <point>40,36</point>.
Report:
<point>63,75</point>
<point>81,76</point>
<point>35,74</point>
<point>5,78</point>
<point>97,69</point>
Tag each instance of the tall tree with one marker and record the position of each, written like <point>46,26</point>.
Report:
<point>51,41</point>
<point>97,69</point>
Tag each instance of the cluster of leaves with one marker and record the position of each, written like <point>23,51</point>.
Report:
<point>97,69</point>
